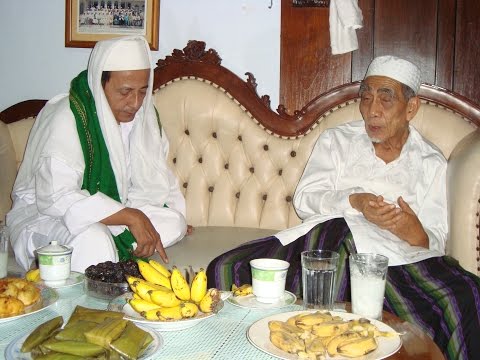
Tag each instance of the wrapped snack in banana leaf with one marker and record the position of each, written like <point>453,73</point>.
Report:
<point>132,342</point>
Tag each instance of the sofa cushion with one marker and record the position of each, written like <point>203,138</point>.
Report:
<point>9,170</point>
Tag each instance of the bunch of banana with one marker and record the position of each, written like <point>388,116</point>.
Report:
<point>156,300</point>
<point>314,335</point>
<point>242,290</point>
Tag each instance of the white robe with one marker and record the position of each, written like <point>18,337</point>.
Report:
<point>343,162</point>
<point>48,203</point>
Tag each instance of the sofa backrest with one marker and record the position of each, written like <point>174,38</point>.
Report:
<point>15,125</point>
<point>237,161</point>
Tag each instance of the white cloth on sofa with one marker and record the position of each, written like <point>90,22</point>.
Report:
<point>345,17</point>
<point>344,158</point>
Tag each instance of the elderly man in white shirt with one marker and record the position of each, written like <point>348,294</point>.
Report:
<point>378,186</point>
<point>94,174</point>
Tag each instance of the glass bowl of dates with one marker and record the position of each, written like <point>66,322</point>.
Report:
<point>106,280</point>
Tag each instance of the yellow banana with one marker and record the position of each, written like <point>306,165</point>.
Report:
<point>152,275</point>
<point>164,298</point>
<point>330,328</point>
<point>136,296</point>
<point>33,275</point>
<point>276,325</point>
<point>210,300</point>
<point>188,309</point>
<point>314,346</point>
<point>170,313</point>
<point>358,347</point>
<point>242,290</point>
<point>199,286</point>
<point>287,342</point>
<point>160,268</point>
<point>150,314</point>
<point>142,288</point>
<point>140,305</point>
<point>336,341</point>
<point>179,285</point>
<point>313,319</point>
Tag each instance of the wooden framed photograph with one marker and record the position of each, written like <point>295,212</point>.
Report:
<point>311,3</point>
<point>88,21</point>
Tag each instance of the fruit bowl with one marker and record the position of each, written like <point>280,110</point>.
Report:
<point>106,280</point>
<point>121,304</point>
<point>104,290</point>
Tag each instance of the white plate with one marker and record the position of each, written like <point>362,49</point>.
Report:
<point>120,304</point>
<point>48,296</point>
<point>250,301</point>
<point>75,278</point>
<point>258,334</point>
<point>12,352</point>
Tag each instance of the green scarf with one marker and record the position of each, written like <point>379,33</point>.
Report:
<point>98,175</point>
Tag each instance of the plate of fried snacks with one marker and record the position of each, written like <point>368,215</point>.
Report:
<point>165,301</point>
<point>319,334</point>
<point>88,334</point>
<point>20,297</point>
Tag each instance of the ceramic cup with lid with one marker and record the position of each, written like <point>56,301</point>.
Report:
<point>54,261</point>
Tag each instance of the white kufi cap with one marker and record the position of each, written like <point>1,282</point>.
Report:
<point>395,68</point>
<point>128,55</point>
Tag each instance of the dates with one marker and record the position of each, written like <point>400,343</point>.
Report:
<point>111,272</point>
<point>107,280</point>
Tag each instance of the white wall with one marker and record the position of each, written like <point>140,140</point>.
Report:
<point>35,64</point>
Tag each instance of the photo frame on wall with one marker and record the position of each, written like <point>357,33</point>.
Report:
<point>311,3</point>
<point>88,21</point>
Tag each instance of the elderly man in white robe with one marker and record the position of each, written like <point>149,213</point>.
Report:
<point>94,174</point>
<point>378,186</point>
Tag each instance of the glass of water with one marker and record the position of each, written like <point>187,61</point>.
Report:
<point>3,250</point>
<point>318,278</point>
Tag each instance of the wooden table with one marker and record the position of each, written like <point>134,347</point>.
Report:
<point>416,345</point>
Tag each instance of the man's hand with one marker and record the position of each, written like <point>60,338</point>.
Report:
<point>375,209</point>
<point>400,221</point>
<point>148,239</point>
<point>408,227</point>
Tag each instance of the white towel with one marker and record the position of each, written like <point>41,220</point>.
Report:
<point>345,18</point>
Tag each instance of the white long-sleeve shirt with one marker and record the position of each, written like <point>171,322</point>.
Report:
<point>344,162</point>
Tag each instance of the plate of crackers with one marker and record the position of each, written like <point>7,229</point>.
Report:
<point>20,297</point>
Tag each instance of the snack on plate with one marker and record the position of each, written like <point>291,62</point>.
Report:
<point>313,335</point>
<point>108,337</point>
<point>242,290</point>
<point>14,291</point>
<point>10,306</point>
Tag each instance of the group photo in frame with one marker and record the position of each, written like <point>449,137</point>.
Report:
<point>88,21</point>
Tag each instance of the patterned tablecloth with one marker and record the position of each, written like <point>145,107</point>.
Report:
<point>220,337</point>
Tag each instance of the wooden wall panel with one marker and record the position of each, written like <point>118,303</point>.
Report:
<point>445,44</point>
<point>441,36</point>
<point>467,49</point>
<point>403,29</point>
<point>307,65</point>
<point>364,54</point>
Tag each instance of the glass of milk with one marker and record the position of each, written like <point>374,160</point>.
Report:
<point>3,250</point>
<point>318,278</point>
<point>368,273</point>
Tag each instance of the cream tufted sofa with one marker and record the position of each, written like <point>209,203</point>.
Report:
<point>238,162</point>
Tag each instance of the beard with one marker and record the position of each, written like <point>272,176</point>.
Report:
<point>375,140</point>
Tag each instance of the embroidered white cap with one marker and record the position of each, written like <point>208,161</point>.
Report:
<point>128,54</point>
<point>395,68</point>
